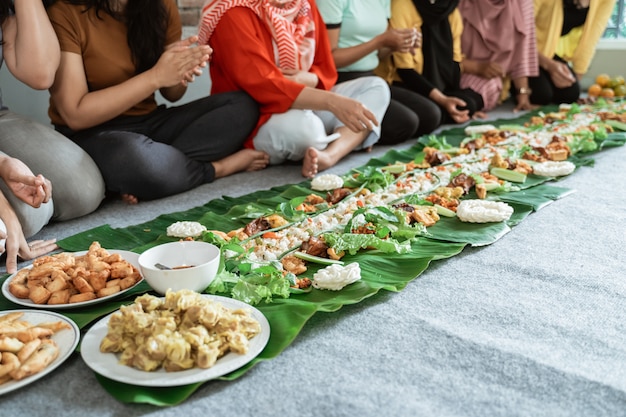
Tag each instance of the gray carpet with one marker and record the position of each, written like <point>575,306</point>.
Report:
<point>532,325</point>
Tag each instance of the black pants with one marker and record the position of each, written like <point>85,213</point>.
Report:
<point>170,150</point>
<point>406,117</point>
<point>545,92</point>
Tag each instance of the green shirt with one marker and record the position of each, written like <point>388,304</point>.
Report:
<point>359,21</point>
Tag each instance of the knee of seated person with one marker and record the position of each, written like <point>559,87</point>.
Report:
<point>305,127</point>
<point>381,86</point>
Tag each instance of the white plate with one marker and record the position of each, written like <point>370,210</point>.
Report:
<point>131,257</point>
<point>107,364</point>
<point>66,339</point>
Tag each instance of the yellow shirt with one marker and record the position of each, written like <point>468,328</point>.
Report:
<point>579,46</point>
<point>405,15</point>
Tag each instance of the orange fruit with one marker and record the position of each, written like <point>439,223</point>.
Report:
<point>617,80</point>
<point>620,90</point>
<point>607,93</point>
<point>594,90</point>
<point>603,80</point>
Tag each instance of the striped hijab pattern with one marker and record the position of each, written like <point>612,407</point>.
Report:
<point>289,21</point>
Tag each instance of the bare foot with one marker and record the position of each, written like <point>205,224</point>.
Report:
<point>309,163</point>
<point>129,199</point>
<point>243,160</point>
<point>315,161</point>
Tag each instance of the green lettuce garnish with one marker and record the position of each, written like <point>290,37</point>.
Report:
<point>352,243</point>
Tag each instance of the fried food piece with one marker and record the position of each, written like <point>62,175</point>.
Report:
<point>60,297</point>
<point>42,357</point>
<point>294,265</point>
<point>106,291</point>
<point>39,295</point>
<point>10,344</point>
<point>82,285</point>
<point>82,297</point>
<point>9,363</point>
<point>17,286</point>
<point>28,349</point>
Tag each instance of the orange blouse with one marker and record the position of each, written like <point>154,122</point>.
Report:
<point>244,59</point>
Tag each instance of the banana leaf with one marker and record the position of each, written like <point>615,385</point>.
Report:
<point>287,316</point>
<point>537,197</point>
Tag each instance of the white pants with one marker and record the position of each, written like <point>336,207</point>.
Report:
<point>287,136</point>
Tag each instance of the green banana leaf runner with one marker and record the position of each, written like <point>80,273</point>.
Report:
<point>287,316</point>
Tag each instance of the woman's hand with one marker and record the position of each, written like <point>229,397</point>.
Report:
<point>523,103</point>
<point>489,70</point>
<point>15,243</point>
<point>306,78</point>
<point>181,62</point>
<point>560,74</point>
<point>451,104</point>
<point>34,190</point>
<point>354,115</point>
<point>401,40</point>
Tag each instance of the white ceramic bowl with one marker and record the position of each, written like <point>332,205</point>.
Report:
<point>194,265</point>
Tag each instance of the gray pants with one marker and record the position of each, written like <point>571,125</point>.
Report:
<point>77,185</point>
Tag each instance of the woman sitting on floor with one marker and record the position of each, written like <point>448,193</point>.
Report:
<point>567,34</point>
<point>359,35</point>
<point>30,49</point>
<point>499,46</point>
<point>434,69</point>
<point>278,52</point>
<point>115,54</point>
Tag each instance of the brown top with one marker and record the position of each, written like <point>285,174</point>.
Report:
<point>104,48</point>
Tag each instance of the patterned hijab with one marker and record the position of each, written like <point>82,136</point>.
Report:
<point>289,21</point>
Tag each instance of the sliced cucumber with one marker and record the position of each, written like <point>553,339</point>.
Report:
<point>508,175</point>
<point>490,185</point>
<point>396,168</point>
<point>442,211</point>
<point>316,259</point>
<point>615,124</point>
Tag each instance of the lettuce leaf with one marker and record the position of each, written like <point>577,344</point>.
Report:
<point>352,243</point>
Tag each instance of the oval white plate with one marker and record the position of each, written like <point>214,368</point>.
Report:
<point>107,364</point>
<point>66,339</point>
<point>131,257</point>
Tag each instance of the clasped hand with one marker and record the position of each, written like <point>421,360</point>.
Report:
<point>32,189</point>
<point>181,62</point>
<point>402,40</point>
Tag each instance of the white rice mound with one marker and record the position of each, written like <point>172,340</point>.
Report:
<point>483,211</point>
<point>326,182</point>
<point>185,229</point>
<point>553,168</point>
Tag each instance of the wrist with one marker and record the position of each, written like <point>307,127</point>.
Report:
<point>523,91</point>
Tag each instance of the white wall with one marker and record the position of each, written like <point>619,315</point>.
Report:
<point>610,58</point>
<point>26,101</point>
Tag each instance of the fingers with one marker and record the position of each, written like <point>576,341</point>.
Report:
<point>46,187</point>
<point>37,248</point>
<point>28,251</point>
<point>365,121</point>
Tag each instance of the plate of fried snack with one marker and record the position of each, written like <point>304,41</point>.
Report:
<point>74,279</point>
<point>186,337</point>
<point>32,344</point>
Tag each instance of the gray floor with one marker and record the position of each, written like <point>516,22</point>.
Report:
<point>532,325</point>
